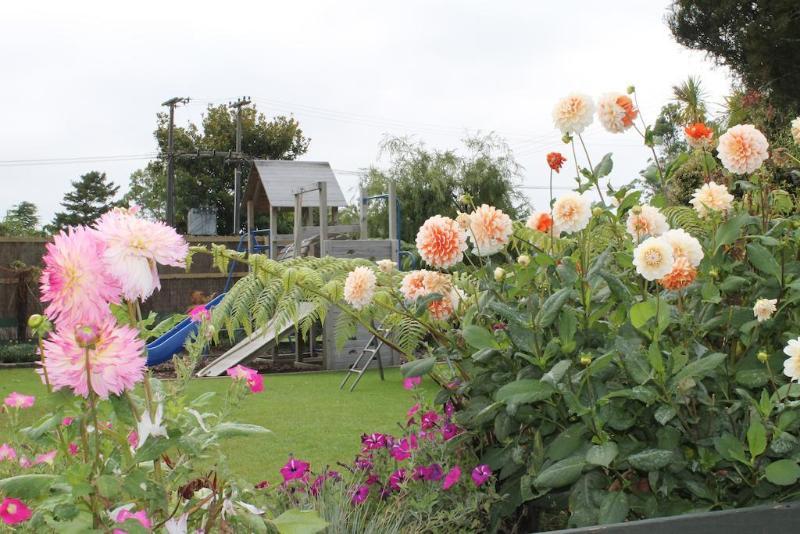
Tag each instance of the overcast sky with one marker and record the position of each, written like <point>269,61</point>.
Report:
<point>85,79</point>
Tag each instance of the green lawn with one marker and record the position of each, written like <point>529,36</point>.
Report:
<point>307,414</point>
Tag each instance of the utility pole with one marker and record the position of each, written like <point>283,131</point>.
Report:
<point>237,173</point>
<point>172,102</point>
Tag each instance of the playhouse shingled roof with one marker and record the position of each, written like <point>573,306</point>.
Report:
<point>280,178</point>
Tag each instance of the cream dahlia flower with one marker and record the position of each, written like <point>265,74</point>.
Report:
<point>646,221</point>
<point>711,197</point>
<point>764,308</point>
<point>742,149</point>
<point>413,285</point>
<point>615,112</point>
<point>359,287</point>
<point>441,242</point>
<point>385,266</point>
<point>796,130</point>
<point>573,113</point>
<point>684,245</point>
<point>489,230</point>
<point>791,367</point>
<point>571,212</point>
<point>653,258</point>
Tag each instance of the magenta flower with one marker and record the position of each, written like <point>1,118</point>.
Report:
<point>25,463</point>
<point>397,478</point>
<point>133,439</point>
<point>67,421</point>
<point>251,376</point>
<point>451,478</point>
<point>116,360</point>
<point>433,473</point>
<point>449,431</point>
<point>140,516</point>
<point>373,479</point>
<point>316,486</point>
<point>45,458</point>
<point>481,474</point>
<point>412,382</point>
<point>74,281</point>
<point>401,450</point>
<point>7,452</point>
<point>373,441</point>
<point>13,511</point>
<point>412,412</point>
<point>262,485</point>
<point>449,409</point>
<point>18,400</point>
<point>294,469</point>
<point>198,314</point>
<point>364,464</point>
<point>429,420</point>
<point>360,495</point>
<point>72,449</point>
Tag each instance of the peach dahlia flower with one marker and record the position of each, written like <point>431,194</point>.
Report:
<point>711,197</point>
<point>573,113</point>
<point>441,242</point>
<point>615,112</point>
<point>489,230</point>
<point>742,149</point>
<point>359,287</point>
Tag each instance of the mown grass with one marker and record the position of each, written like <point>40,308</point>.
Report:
<point>307,413</point>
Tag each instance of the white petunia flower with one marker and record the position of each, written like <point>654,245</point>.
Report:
<point>151,426</point>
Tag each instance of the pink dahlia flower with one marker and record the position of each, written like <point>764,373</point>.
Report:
<point>18,400</point>
<point>13,511</point>
<point>75,282</point>
<point>133,248</point>
<point>441,242</point>
<point>116,360</point>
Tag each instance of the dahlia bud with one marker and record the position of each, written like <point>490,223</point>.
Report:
<point>586,359</point>
<point>636,210</point>
<point>524,260</point>
<point>35,321</point>
<point>499,274</point>
<point>631,89</point>
<point>86,336</point>
<point>713,273</point>
<point>465,199</point>
<point>597,211</point>
<point>566,139</point>
<point>762,356</point>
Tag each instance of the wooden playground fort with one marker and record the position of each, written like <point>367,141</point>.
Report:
<point>311,190</point>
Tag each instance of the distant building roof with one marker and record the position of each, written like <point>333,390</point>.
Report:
<point>280,178</point>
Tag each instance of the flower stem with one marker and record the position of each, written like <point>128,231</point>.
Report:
<point>591,169</point>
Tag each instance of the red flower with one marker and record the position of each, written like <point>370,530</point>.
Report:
<point>555,161</point>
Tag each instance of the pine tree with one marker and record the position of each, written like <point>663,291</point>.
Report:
<point>92,195</point>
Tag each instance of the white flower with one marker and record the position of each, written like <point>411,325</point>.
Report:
<point>653,258</point>
<point>489,230</point>
<point>796,130</point>
<point>359,287</point>
<point>571,212</point>
<point>250,508</point>
<point>764,308</point>
<point>177,525</point>
<point>742,149</point>
<point>711,197</point>
<point>646,220</point>
<point>791,367</point>
<point>685,245</point>
<point>615,112</point>
<point>573,113</point>
<point>385,266</point>
<point>151,426</point>
<point>499,274</point>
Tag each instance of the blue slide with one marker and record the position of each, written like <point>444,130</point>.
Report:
<point>165,347</point>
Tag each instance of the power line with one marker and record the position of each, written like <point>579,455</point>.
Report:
<point>77,159</point>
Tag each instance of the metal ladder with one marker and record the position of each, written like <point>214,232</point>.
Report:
<point>372,348</point>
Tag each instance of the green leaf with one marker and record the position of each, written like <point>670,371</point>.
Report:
<point>27,486</point>
<point>783,472</point>
<point>604,167</point>
<point>418,367</point>
<point>763,260</point>
<point>294,521</point>
<point>551,306</point>
<point>479,337</point>
<point>730,448</point>
<point>560,474</point>
<point>664,414</point>
<point>756,438</point>
<point>239,429</point>
<point>728,231</point>
<point>650,459</point>
<point>614,508</point>
<point>602,454</point>
<point>524,391</point>
<point>557,372</point>
<point>566,442</point>
<point>752,378</point>
<point>641,312</point>
<point>701,367</point>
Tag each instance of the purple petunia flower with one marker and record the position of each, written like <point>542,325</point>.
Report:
<point>294,469</point>
<point>451,478</point>
<point>360,495</point>
<point>481,474</point>
<point>449,431</point>
<point>397,478</point>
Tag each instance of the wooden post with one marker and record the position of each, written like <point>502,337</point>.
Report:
<point>393,220</point>
<point>250,222</point>
<point>298,223</point>
<point>362,213</point>
<point>323,218</point>
<point>334,215</point>
<point>273,232</point>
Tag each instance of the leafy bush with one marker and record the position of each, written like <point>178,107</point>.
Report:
<point>18,352</point>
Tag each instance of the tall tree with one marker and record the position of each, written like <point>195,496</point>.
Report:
<point>757,40</point>
<point>208,182</point>
<point>430,182</point>
<point>92,195</point>
<point>21,220</point>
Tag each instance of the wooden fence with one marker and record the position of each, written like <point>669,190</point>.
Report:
<point>21,262</point>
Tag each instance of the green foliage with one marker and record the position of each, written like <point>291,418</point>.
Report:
<point>91,196</point>
<point>21,220</point>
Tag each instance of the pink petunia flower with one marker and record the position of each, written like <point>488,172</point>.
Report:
<point>45,458</point>
<point>133,248</point>
<point>412,411</point>
<point>481,474</point>
<point>397,478</point>
<point>251,376</point>
<point>72,449</point>
<point>25,463</point>
<point>449,409</point>
<point>116,360</point>
<point>198,314</point>
<point>18,400</point>
<point>294,469</point>
<point>133,439</point>
<point>360,495</point>
<point>364,464</point>
<point>74,281</point>
<point>140,516</point>
<point>67,421</point>
<point>401,450</point>
<point>13,511</point>
<point>412,382</point>
<point>451,478</point>
<point>429,420</point>
<point>7,452</point>
<point>449,431</point>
